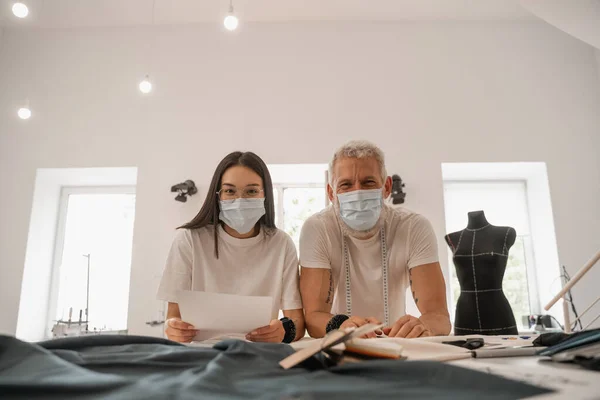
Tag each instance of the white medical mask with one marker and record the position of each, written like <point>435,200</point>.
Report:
<point>360,209</point>
<point>242,214</point>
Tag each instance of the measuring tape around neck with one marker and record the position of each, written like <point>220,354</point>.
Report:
<point>384,274</point>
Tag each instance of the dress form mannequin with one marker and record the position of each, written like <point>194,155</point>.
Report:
<point>480,254</point>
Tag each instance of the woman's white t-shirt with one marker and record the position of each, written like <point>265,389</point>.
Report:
<point>265,265</point>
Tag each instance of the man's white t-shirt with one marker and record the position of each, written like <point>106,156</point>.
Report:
<point>265,265</point>
<point>410,241</point>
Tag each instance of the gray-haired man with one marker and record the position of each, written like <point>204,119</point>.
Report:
<point>359,255</point>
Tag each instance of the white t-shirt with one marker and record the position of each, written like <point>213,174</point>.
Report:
<point>265,265</point>
<point>410,241</point>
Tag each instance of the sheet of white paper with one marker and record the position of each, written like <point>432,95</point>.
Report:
<point>215,314</point>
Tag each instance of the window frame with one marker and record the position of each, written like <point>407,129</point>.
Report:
<point>59,240</point>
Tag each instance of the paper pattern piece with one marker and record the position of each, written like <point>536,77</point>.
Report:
<point>216,314</point>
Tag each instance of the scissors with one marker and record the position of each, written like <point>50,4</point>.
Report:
<point>471,344</point>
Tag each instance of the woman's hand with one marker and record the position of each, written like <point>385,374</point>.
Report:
<point>273,333</point>
<point>180,331</point>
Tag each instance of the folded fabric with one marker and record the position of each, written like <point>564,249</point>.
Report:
<point>551,338</point>
<point>572,341</point>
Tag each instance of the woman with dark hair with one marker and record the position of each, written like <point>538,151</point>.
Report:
<point>233,246</point>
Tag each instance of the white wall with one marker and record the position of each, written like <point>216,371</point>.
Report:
<point>426,92</point>
<point>597,53</point>
<point>579,18</point>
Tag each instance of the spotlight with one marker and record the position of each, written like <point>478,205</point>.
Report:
<point>398,194</point>
<point>187,188</point>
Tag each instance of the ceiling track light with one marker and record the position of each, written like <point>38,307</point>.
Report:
<point>231,22</point>
<point>145,85</point>
<point>20,10</point>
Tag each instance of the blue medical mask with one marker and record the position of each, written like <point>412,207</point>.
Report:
<point>242,214</point>
<point>360,210</point>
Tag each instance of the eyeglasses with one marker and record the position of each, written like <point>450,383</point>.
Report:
<point>232,193</point>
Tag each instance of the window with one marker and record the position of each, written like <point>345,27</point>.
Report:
<point>93,257</point>
<point>299,192</point>
<point>294,204</point>
<point>505,204</point>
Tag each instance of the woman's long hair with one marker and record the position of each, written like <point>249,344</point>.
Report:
<point>209,213</point>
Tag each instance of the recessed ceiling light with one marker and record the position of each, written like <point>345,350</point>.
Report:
<point>146,85</point>
<point>20,10</point>
<point>24,113</point>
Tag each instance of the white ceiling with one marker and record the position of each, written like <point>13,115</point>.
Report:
<point>111,13</point>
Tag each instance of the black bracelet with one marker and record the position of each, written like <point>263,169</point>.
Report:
<point>335,322</point>
<point>290,330</point>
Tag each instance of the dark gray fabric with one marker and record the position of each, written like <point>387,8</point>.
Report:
<point>129,367</point>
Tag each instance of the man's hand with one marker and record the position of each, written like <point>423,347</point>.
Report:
<point>180,331</point>
<point>355,321</point>
<point>408,327</point>
<point>273,333</point>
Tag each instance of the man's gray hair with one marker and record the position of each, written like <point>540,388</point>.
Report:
<point>358,149</point>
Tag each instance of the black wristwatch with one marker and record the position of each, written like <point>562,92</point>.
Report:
<point>290,330</point>
<point>335,322</point>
